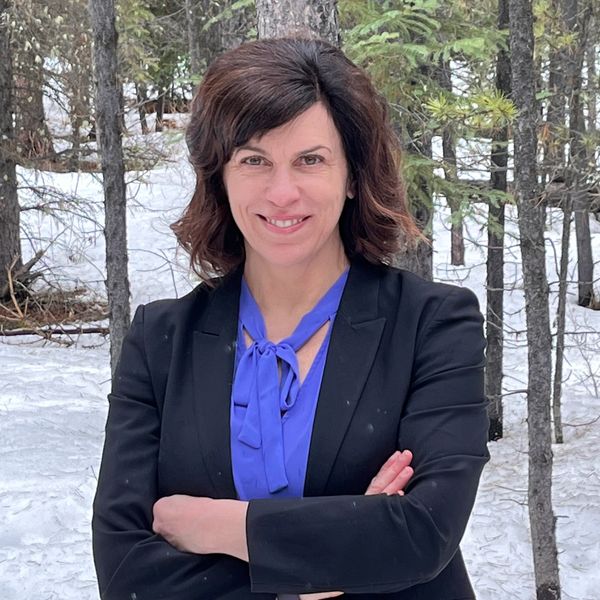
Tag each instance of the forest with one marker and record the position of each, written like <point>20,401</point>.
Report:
<point>495,104</point>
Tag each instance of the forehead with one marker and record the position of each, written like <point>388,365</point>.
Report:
<point>313,126</point>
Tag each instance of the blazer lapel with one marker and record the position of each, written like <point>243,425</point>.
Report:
<point>213,360</point>
<point>354,341</point>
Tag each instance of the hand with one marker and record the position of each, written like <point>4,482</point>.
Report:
<point>181,520</point>
<point>202,525</point>
<point>393,475</point>
<point>391,479</point>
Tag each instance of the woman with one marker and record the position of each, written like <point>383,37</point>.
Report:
<point>248,418</point>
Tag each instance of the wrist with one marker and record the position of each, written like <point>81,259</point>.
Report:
<point>230,520</point>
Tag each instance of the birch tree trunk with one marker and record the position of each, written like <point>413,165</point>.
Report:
<point>311,18</point>
<point>531,228</point>
<point>495,258</point>
<point>109,109</point>
<point>10,241</point>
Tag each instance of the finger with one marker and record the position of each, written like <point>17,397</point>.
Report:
<point>390,470</point>
<point>399,482</point>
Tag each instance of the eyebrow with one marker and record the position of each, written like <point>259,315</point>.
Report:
<point>262,151</point>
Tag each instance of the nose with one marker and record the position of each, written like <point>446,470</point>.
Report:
<point>282,188</point>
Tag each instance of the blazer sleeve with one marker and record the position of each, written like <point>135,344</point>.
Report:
<point>382,544</point>
<point>131,561</point>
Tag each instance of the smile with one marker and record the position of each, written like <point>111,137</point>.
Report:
<point>284,223</point>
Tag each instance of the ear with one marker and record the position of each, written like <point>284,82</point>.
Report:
<point>350,189</point>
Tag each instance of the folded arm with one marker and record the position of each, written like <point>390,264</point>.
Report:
<point>131,560</point>
<point>382,544</point>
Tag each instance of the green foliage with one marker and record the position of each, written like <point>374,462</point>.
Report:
<point>138,35</point>
<point>405,46</point>
<point>481,111</point>
<point>228,12</point>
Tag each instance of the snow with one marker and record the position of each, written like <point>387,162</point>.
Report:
<point>53,401</point>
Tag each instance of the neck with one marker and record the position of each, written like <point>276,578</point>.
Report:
<point>292,290</point>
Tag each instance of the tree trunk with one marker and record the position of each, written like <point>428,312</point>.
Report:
<point>585,260</point>
<point>141,94</point>
<point>560,319</point>
<point>315,18</point>
<point>109,109</point>
<point>10,241</point>
<point>457,243</point>
<point>495,257</point>
<point>420,259</point>
<point>160,111</point>
<point>554,140</point>
<point>205,43</point>
<point>78,83</point>
<point>531,229</point>
<point>576,24</point>
<point>33,137</point>
<point>194,25</point>
<point>592,74</point>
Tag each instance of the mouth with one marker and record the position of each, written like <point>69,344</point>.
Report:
<point>284,223</point>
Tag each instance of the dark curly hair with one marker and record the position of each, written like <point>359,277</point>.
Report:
<point>261,85</point>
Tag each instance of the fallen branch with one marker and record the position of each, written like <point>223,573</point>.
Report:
<point>54,331</point>
<point>21,275</point>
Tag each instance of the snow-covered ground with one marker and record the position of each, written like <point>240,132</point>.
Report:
<point>53,405</point>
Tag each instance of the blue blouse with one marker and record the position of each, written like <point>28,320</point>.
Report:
<point>272,414</point>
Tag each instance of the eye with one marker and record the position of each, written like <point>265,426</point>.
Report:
<point>311,159</point>
<point>253,161</point>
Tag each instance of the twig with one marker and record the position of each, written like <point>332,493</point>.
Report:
<point>582,424</point>
<point>11,288</point>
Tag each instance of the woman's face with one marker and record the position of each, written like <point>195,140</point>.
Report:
<point>287,189</point>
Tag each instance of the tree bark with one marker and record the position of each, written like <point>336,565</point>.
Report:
<point>560,320</point>
<point>313,18</point>
<point>109,109</point>
<point>10,241</point>
<point>141,94</point>
<point>193,21</point>
<point>531,228</point>
<point>576,24</point>
<point>495,257</point>
<point>592,75</point>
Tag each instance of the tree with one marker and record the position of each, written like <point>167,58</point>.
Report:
<point>31,130</point>
<point>108,117</point>
<point>577,16</point>
<point>457,246</point>
<point>10,243</point>
<point>531,229</point>
<point>288,17</point>
<point>495,257</point>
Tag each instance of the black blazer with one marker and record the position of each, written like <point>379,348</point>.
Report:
<point>404,370</point>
